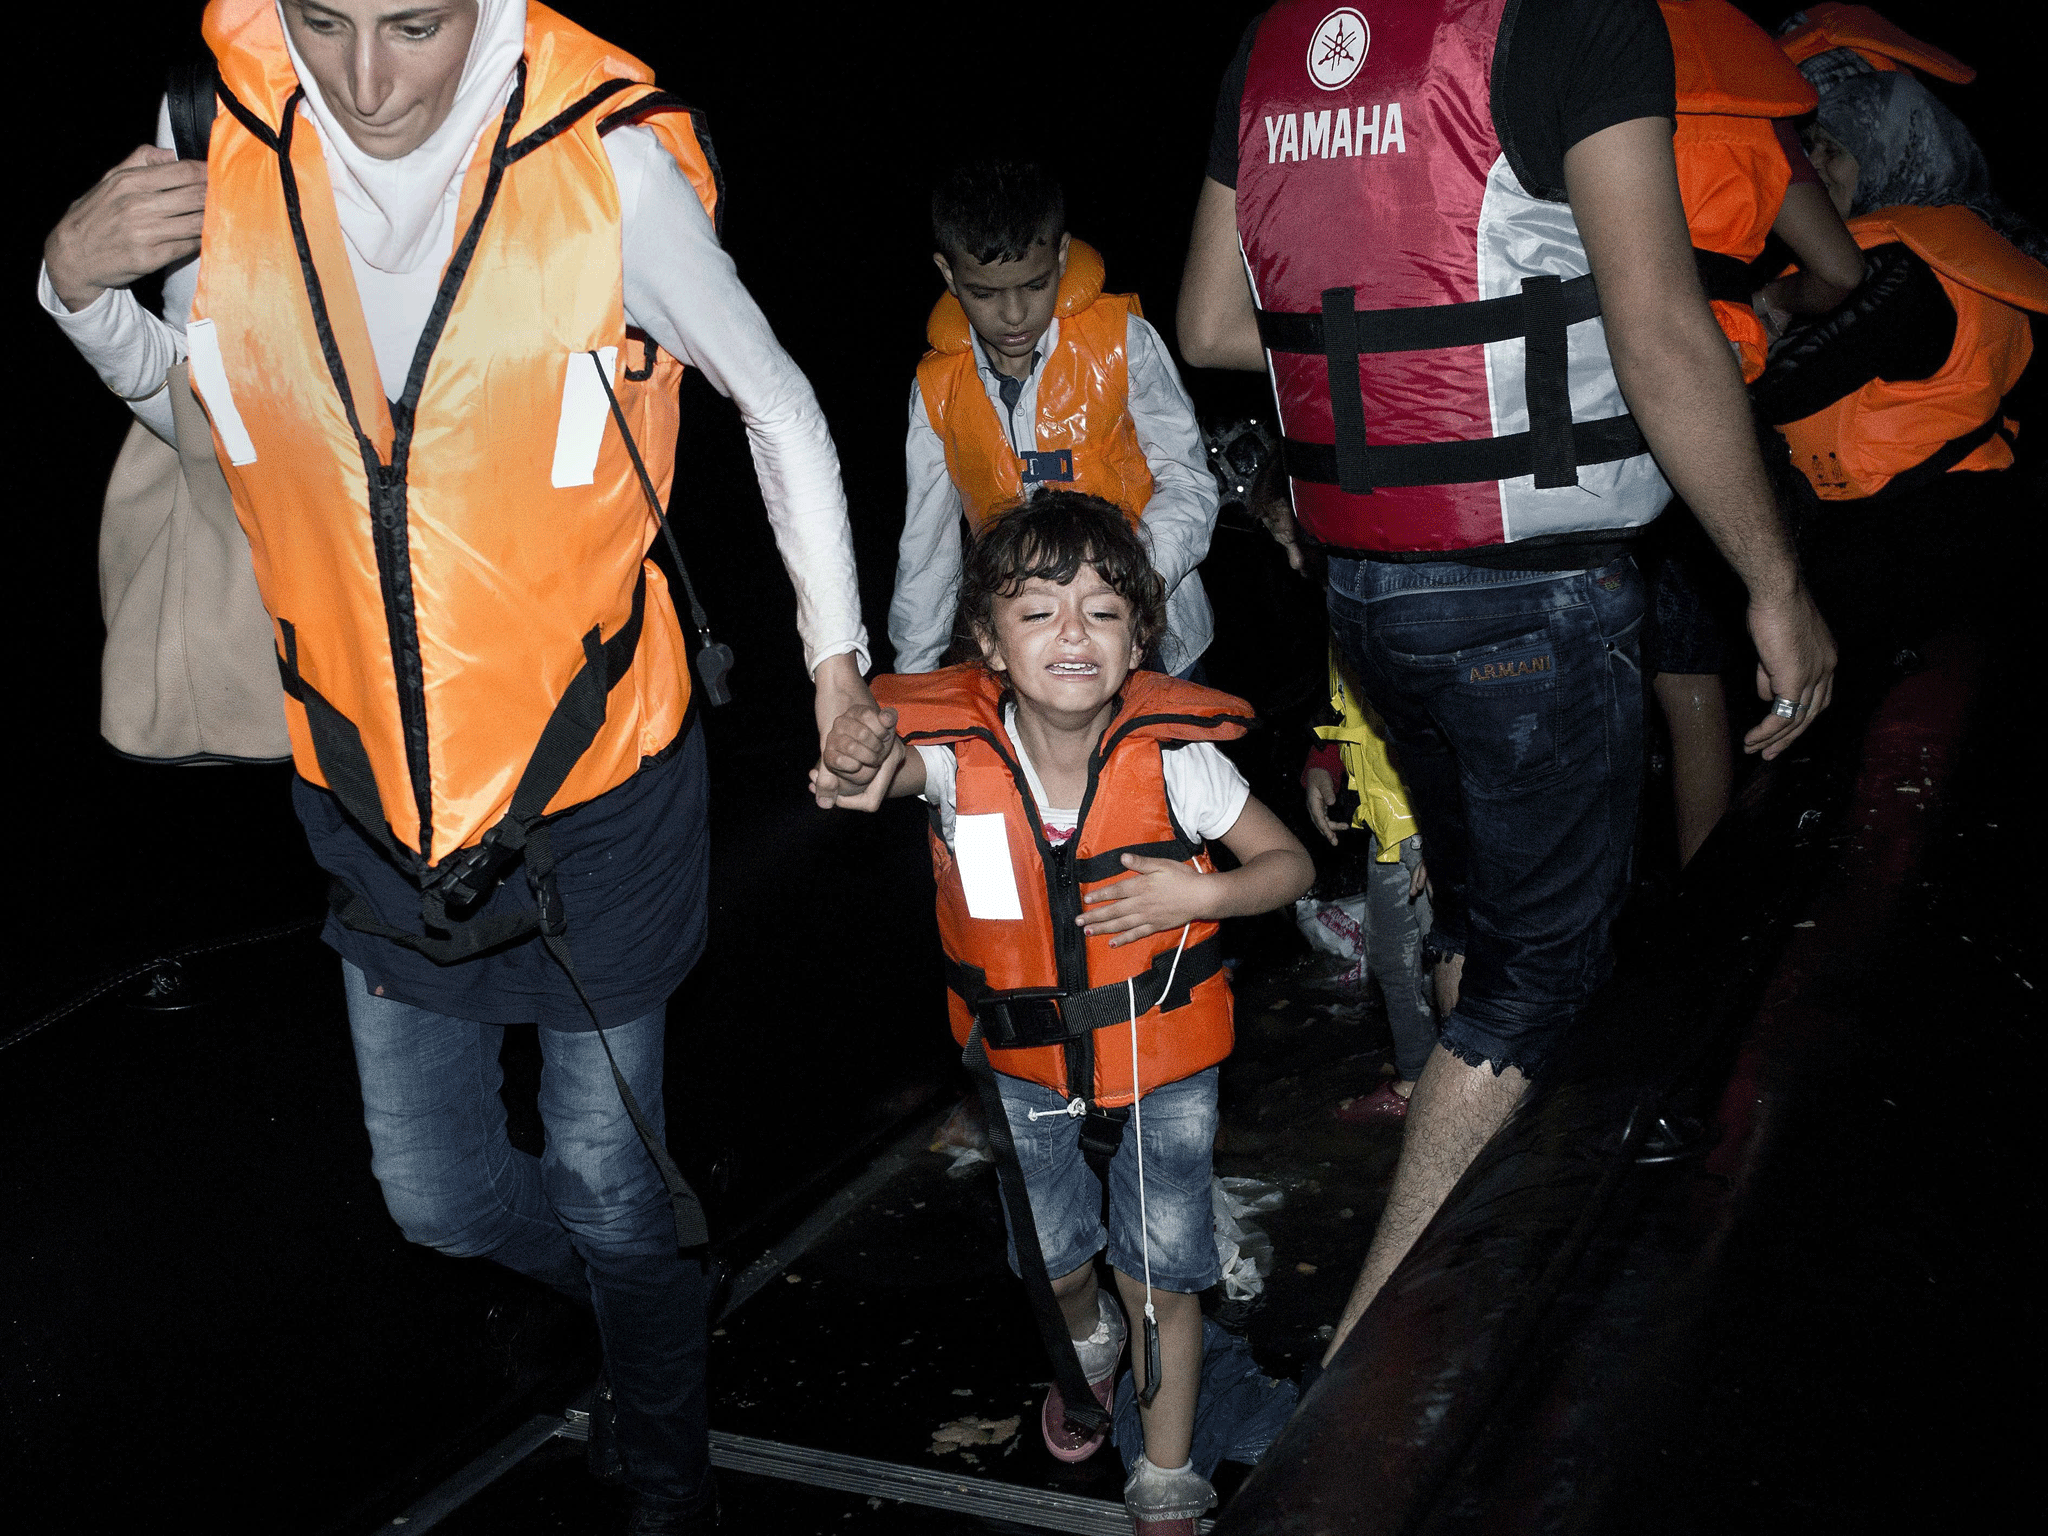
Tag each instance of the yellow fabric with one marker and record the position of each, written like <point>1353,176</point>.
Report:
<point>1361,738</point>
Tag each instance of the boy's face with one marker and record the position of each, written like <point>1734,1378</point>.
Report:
<point>1009,303</point>
<point>1065,650</point>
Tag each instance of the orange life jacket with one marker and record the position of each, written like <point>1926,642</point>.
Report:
<point>1951,420</point>
<point>1883,45</point>
<point>1732,172</point>
<point>1006,970</point>
<point>463,638</point>
<point>1083,401</point>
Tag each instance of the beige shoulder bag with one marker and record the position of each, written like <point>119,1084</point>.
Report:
<point>189,674</point>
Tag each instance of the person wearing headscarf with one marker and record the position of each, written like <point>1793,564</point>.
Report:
<point>450,263</point>
<point>1894,405</point>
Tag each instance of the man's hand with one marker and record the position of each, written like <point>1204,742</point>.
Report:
<point>1321,793</point>
<point>1796,661</point>
<point>141,216</point>
<point>1269,504</point>
<point>859,760</point>
<point>1158,894</point>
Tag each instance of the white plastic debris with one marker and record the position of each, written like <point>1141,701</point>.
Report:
<point>1242,1248</point>
<point>963,1139</point>
<point>1335,928</point>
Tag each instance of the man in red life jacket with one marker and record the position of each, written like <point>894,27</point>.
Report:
<point>1402,213</point>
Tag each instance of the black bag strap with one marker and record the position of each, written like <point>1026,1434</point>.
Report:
<point>1553,448</point>
<point>192,89</point>
<point>1081,1404</point>
<point>714,661</point>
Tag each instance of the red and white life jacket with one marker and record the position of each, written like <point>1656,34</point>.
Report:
<point>1432,328</point>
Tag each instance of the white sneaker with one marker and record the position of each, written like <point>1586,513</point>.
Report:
<point>1166,1503</point>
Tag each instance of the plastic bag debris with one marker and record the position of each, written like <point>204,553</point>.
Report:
<point>1242,1248</point>
<point>958,1434</point>
<point>964,1139</point>
<point>1335,928</point>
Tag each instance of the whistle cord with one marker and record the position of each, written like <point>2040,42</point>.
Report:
<point>1151,1389</point>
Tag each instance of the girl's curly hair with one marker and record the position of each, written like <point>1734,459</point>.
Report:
<point>1050,537</point>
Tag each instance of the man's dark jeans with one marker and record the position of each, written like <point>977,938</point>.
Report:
<point>1514,700</point>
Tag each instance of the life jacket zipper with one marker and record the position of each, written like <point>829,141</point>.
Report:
<point>387,483</point>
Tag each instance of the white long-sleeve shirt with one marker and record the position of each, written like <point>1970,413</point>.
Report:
<point>680,287</point>
<point>1176,526</point>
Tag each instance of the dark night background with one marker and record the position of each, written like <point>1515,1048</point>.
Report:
<point>143,1212</point>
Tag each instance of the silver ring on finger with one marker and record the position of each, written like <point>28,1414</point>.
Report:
<point>1785,708</point>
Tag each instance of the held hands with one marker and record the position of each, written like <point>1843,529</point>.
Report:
<point>1158,895</point>
<point>141,216</point>
<point>1321,792</point>
<point>1796,661</point>
<point>859,760</point>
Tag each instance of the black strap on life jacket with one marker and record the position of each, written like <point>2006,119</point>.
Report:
<point>1724,277</point>
<point>1552,449</point>
<point>1079,1397</point>
<point>1033,1016</point>
<point>192,90</point>
<point>1947,457</point>
<point>462,884</point>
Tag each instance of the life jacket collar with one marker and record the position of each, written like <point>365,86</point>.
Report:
<point>1080,286</point>
<point>1729,66</point>
<point>1882,44</point>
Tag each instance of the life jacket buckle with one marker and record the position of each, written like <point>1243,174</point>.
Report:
<point>467,883</point>
<point>1051,464</point>
<point>1017,1022</point>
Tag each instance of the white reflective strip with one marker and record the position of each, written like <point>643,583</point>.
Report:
<point>981,849</point>
<point>584,413</point>
<point>210,378</point>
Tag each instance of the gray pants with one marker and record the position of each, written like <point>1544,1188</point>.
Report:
<point>1394,930</point>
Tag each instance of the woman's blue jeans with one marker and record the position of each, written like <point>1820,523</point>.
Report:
<point>589,1216</point>
<point>1515,702</point>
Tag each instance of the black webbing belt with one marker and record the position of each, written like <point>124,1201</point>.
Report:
<point>1946,457</point>
<point>1552,449</point>
<point>1021,1019</point>
<point>1079,1398</point>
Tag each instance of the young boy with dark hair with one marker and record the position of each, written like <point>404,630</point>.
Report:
<point>1072,799</point>
<point>1036,377</point>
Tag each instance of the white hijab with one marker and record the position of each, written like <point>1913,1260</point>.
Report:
<point>392,211</point>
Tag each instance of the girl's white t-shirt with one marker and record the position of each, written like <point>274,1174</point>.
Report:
<point>1203,788</point>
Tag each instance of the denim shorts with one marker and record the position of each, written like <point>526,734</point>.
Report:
<point>1066,1199</point>
<point>1515,702</point>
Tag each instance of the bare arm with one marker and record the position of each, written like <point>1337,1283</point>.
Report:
<point>1830,261</point>
<point>1684,390</point>
<point>1161,894</point>
<point>1219,324</point>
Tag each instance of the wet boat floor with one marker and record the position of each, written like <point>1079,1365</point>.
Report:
<point>901,1333</point>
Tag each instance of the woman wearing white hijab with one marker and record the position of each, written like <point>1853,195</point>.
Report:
<point>403,99</point>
